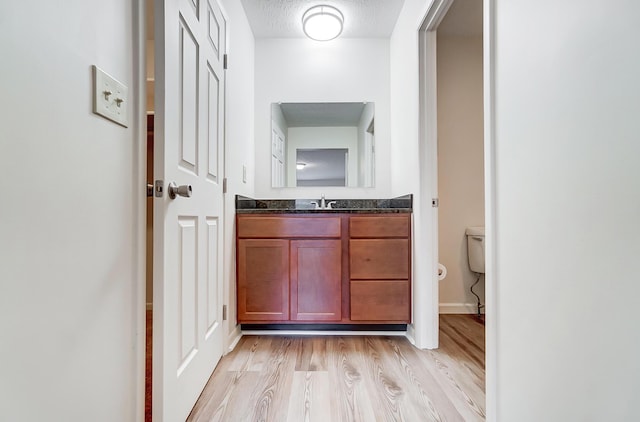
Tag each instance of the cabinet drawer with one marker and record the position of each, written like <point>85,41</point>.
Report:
<point>380,226</point>
<point>379,259</point>
<point>380,300</point>
<point>288,227</point>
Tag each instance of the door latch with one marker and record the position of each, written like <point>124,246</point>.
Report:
<point>159,188</point>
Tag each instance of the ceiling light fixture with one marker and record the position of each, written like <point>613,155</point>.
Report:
<point>300,166</point>
<point>322,23</point>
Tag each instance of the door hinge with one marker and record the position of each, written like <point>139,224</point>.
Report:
<point>224,185</point>
<point>159,188</point>
<point>224,312</point>
<point>225,62</point>
<point>435,202</point>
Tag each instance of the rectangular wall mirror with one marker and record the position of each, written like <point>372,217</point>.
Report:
<point>322,144</point>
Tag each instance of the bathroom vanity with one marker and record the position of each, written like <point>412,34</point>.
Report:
<point>346,265</point>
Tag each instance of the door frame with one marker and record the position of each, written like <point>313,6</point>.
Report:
<point>139,200</point>
<point>428,141</point>
<point>490,209</point>
<point>427,316</point>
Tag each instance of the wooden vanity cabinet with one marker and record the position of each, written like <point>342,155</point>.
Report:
<point>289,268</point>
<point>332,268</point>
<point>380,268</point>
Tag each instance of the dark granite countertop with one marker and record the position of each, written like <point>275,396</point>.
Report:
<point>402,204</point>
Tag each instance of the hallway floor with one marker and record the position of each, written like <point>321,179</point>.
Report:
<point>350,378</point>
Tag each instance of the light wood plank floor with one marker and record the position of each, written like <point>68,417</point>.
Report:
<point>355,378</point>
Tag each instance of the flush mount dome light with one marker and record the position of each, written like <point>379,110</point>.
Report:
<point>322,23</point>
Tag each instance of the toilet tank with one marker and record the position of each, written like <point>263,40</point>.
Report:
<point>475,248</point>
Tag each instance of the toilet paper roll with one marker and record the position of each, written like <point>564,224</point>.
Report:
<point>442,272</point>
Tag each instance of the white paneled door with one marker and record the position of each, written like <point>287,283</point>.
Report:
<point>189,133</point>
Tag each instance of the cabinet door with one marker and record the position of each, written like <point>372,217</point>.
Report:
<point>263,280</point>
<point>316,280</point>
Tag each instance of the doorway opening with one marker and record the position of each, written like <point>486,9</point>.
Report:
<point>460,157</point>
<point>451,59</point>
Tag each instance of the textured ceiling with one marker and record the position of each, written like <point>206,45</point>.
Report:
<point>283,18</point>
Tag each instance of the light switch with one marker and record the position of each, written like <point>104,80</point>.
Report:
<point>244,174</point>
<point>110,97</point>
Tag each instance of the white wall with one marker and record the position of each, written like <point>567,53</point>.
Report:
<point>404,98</point>
<point>562,337</point>
<point>301,70</point>
<point>71,292</point>
<point>239,149</point>
<point>567,207</point>
<point>460,165</point>
<point>406,172</point>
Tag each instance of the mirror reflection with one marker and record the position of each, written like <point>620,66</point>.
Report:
<point>322,144</point>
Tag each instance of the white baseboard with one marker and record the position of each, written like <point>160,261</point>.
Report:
<point>459,308</point>
<point>233,338</point>
<point>411,334</point>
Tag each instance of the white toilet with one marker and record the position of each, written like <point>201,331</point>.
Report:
<point>475,249</point>
<point>475,252</point>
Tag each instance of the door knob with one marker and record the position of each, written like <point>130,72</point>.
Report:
<point>182,190</point>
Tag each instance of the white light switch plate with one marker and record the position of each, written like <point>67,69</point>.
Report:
<point>110,97</point>
<point>244,174</point>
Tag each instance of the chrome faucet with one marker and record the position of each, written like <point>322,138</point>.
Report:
<point>323,204</point>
